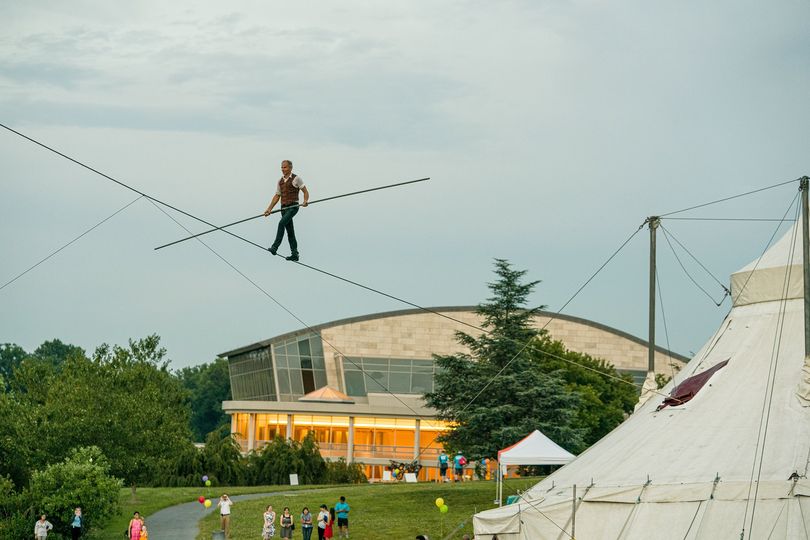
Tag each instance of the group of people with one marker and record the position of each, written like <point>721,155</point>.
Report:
<point>459,462</point>
<point>326,522</point>
<point>42,527</point>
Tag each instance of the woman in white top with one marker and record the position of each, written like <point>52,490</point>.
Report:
<point>42,527</point>
<point>323,521</point>
<point>224,505</point>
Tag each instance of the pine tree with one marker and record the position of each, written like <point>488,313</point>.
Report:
<point>496,394</point>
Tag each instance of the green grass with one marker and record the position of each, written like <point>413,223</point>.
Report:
<point>147,501</point>
<point>377,511</point>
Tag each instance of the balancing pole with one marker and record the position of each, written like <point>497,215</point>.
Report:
<point>288,207</point>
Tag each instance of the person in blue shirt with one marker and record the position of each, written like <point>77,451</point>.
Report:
<point>76,524</point>
<point>342,509</point>
<point>444,463</point>
<point>458,465</point>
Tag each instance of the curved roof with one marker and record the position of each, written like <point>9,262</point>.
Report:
<point>440,309</point>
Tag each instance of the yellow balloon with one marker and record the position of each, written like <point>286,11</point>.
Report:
<point>208,503</point>
<point>439,502</point>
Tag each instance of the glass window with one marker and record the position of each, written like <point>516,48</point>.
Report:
<point>317,362</point>
<point>376,381</point>
<point>320,378</point>
<point>421,383</point>
<point>281,360</point>
<point>306,362</point>
<point>355,383</point>
<point>400,383</point>
<point>292,348</point>
<point>303,347</point>
<point>284,381</point>
<point>308,379</point>
<point>296,382</point>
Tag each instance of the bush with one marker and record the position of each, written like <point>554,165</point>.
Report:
<point>82,479</point>
<point>342,472</point>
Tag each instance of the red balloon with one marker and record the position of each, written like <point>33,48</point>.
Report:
<point>201,499</point>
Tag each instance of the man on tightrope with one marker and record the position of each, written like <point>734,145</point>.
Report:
<point>287,192</point>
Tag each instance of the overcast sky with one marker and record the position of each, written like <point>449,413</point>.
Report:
<point>550,130</point>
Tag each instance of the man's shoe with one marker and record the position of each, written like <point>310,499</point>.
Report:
<point>272,249</point>
<point>293,257</point>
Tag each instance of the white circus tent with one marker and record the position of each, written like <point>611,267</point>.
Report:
<point>729,460</point>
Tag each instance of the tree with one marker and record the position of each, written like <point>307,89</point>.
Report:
<point>11,356</point>
<point>56,352</point>
<point>15,439</point>
<point>126,402</point>
<point>208,385</point>
<point>82,479</point>
<point>496,394</point>
<point>605,401</point>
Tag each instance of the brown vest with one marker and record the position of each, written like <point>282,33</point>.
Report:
<point>289,193</point>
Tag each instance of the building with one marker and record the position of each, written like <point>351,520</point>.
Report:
<point>357,382</point>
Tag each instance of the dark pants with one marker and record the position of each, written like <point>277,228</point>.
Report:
<point>75,532</point>
<point>286,224</point>
<point>307,532</point>
<point>321,533</point>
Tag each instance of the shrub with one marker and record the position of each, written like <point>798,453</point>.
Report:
<point>342,472</point>
<point>82,479</point>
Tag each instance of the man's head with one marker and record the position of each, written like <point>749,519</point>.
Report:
<point>342,498</point>
<point>286,167</point>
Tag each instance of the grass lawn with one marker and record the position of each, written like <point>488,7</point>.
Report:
<point>147,501</point>
<point>378,511</point>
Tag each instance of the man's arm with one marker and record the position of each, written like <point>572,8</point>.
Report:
<point>276,197</point>
<point>306,195</point>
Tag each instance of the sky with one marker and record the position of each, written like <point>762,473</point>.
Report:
<point>550,130</point>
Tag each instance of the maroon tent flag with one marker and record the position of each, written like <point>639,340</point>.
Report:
<point>690,387</point>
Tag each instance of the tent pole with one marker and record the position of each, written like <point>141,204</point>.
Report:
<point>653,221</point>
<point>574,513</point>
<point>803,182</point>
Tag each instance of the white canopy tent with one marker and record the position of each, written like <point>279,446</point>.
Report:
<point>533,449</point>
<point>730,462</point>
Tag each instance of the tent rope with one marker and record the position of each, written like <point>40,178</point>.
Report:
<point>728,198</point>
<point>727,292</point>
<point>767,401</point>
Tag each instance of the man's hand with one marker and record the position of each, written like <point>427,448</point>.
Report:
<point>267,212</point>
<point>305,203</point>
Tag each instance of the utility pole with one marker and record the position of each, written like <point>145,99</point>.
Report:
<point>653,222</point>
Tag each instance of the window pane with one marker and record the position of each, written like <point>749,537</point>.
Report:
<point>281,360</point>
<point>317,362</point>
<point>303,347</point>
<point>296,383</point>
<point>315,346</point>
<point>320,378</point>
<point>400,383</point>
<point>376,381</point>
<point>421,383</point>
<point>306,362</point>
<point>284,381</point>
<point>308,379</point>
<point>292,348</point>
<point>401,366</point>
<point>355,385</point>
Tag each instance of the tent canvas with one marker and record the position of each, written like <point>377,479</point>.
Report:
<point>731,462</point>
<point>533,449</point>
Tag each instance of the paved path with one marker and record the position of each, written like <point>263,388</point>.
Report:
<point>181,522</point>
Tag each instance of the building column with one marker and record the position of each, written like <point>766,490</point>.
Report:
<point>233,423</point>
<point>350,442</point>
<point>416,439</point>
<point>289,427</point>
<point>251,431</point>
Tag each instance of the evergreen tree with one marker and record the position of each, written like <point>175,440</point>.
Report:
<point>496,394</point>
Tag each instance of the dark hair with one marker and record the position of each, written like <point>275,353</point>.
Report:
<point>342,498</point>
<point>332,513</point>
<point>305,508</point>
<point>287,161</point>
<point>420,537</point>
<point>324,507</point>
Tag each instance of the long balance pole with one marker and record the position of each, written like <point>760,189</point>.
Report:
<point>279,210</point>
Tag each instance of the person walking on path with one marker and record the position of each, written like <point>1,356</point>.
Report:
<point>41,528</point>
<point>135,526</point>
<point>287,192</point>
<point>287,523</point>
<point>224,506</point>
<point>306,523</point>
<point>269,529</point>
<point>76,524</point>
<point>323,521</point>
<point>342,509</point>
